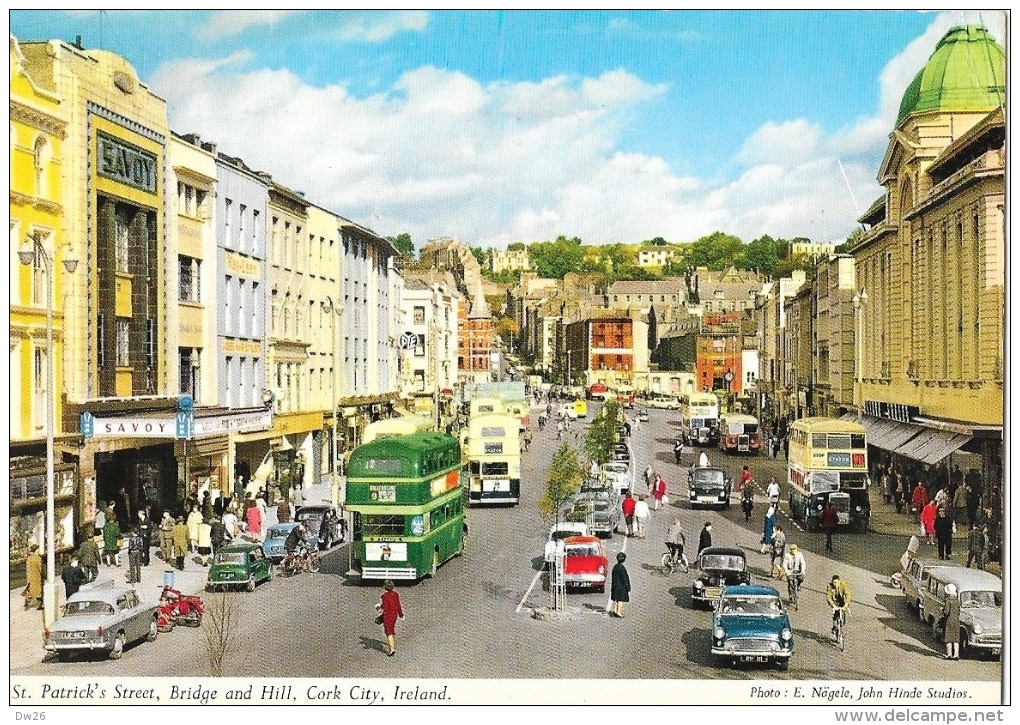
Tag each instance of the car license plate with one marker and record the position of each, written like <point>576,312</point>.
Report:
<point>755,658</point>
<point>996,651</point>
<point>74,635</point>
<point>712,592</point>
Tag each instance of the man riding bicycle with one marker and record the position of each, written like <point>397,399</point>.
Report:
<point>675,540</point>
<point>295,543</point>
<point>837,594</point>
<point>794,567</point>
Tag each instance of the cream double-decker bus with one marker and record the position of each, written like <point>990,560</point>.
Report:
<point>828,463</point>
<point>699,418</point>
<point>738,433</point>
<point>493,452</point>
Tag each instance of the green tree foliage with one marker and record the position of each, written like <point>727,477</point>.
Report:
<point>552,260</point>
<point>716,251</point>
<point>481,255</point>
<point>601,434</point>
<point>515,247</point>
<point>564,481</point>
<point>761,254</point>
<point>403,244</point>
<point>657,242</point>
<point>851,241</point>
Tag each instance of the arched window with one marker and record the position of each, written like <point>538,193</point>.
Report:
<point>41,154</point>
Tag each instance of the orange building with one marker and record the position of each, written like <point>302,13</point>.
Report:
<point>720,353</point>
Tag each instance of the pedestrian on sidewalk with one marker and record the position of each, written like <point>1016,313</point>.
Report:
<point>659,491</point>
<point>899,492</point>
<point>166,537</point>
<point>628,505</point>
<point>217,534</point>
<point>829,522</point>
<point>297,497</point>
<point>620,586</point>
<point>641,514</point>
<point>919,498</point>
<point>34,577</point>
<point>207,506</point>
<point>100,520</point>
<point>944,533</point>
<point>230,522</point>
<point>768,529</point>
<point>134,546</point>
<point>283,515</point>
<point>145,531</point>
<point>111,542</point>
<point>88,557</point>
<point>205,541</point>
<point>705,540</point>
<point>193,520</point>
<point>390,610</point>
<point>951,623</point>
<point>928,514</point>
<point>778,552</point>
<point>977,542</point>
<point>180,541</point>
<point>253,518</point>
<point>73,577</point>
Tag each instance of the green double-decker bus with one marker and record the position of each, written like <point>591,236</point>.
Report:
<point>408,503</point>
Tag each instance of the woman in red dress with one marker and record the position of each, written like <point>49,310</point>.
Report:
<point>389,603</point>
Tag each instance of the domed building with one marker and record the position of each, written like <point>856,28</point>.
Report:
<point>932,263</point>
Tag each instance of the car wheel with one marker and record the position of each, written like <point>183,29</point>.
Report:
<point>251,584</point>
<point>153,632</point>
<point>783,663</point>
<point>118,647</point>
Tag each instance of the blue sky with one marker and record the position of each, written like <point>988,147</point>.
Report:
<point>502,126</point>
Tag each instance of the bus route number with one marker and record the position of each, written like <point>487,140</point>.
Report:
<point>385,494</point>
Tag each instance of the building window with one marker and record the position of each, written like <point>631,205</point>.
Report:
<point>228,206</point>
<point>38,279</point>
<point>123,344</point>
<point>39,364</point>
<point>228,381</point>
<point>150,344</point>
<point>419,346</point>
<point>189,285</point>
<point>121,239</point>
<point>41,154</point>
<point>101,341</point>
<point>419,315</point>
<point>255,219</point>
<point>189,359</point>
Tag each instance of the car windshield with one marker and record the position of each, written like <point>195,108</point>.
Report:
<point>616,468</point>
<point>722,561</point>
<point>309,516</point>
<point>582,550</point>
<point>708,478</point>
<point>87,607</point>
<point>981,599</point>
<point>761,606</point>
<point>230,557</point>
<point>277,532</point>
<point>563,534</point>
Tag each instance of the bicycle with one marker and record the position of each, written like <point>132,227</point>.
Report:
<point>838,623</point>
<point>299,562</point>
<point>670,562</point>
<point>792,588</point>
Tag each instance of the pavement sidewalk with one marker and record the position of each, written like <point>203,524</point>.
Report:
<point>26,632</point>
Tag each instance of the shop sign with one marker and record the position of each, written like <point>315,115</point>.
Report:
<point>126,164</point>
<point>899,412</point>
<point>134,427</point>
<point>237,423</point>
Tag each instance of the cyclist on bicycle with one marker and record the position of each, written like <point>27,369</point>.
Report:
<point>794,565</point>
<point>837,594</point>
<point>295,543</point>
<point>675,540</point>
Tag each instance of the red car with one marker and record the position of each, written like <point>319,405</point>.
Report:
<point>584,563</point>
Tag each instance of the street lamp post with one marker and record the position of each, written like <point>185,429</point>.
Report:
<point>859,301</point>
<point>32,252</point>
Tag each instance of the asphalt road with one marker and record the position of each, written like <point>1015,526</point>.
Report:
<point>476,618</point>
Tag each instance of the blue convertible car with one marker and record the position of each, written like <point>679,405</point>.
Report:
<point>751,624</point>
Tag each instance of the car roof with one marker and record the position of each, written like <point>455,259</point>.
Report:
<point>287,526</point>
<point>240,546</point>
<point>724,551</point>
<point>759,590</point>
<point>969,579</point>
<point>314,507</point>
<point>582,540</point>
<point>105,591</point>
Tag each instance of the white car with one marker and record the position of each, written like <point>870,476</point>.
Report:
<point>620,475</point>
<point>561,531</point>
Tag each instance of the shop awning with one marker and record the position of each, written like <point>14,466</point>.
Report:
<point>889,435</point>
<point>938,446</point>
<point>912,446</point>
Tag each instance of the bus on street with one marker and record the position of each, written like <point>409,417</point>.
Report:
<point>389,427</point>
<point>493,452</point>
<point>699,418</point>
<point>738,433</point>
<point>828,461</point>
<point>408,504</point>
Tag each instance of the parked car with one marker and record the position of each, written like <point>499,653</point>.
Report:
<point>642,415</point>
<point>236,565</point>
<point>561,531</point>
<point>709,486</point>
<point>275,545</point>
<point>915,581</point>
<point>585,564</point>
<point>599,510</point>
<point>750,624</point>
<point>980,595</point>
<point>621,452</point>
<point>719,567</point>
<point>101,616</point>
<point>322,525</point>
<point>619,473</point>
<point>667,403</point>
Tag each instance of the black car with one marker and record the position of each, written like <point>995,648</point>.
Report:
<point>323,526</point>
<point>709,486</point>
<point>719,566</point>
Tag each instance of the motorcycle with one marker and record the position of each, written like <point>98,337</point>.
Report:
<point>175,609</point>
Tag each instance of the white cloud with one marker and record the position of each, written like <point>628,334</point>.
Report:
<point>377,26</point>
<point>440,154</point>
<point>228,23</point>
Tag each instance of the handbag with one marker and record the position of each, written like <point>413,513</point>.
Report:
<point>378,619</point>
<point>665,500</point>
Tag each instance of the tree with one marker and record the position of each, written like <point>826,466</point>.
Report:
<point>601,434</point>
<point>552,260</point>
<point>564,481</point>
<point>516,247</point>
<point>851,241</point>
<point>222,619</point>
<point>762,254</point>
<point>658,242</point>
<point>507,330</point>
<point>403,244</point>
<point>716,251</point>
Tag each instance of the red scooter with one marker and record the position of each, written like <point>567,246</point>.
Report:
<point>175,608</point>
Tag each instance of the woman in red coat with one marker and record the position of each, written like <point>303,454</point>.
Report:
<point>659,491</point>
<point>928,520</point>
<point>389,604</point>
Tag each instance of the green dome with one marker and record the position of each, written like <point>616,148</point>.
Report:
<point>966,72</point>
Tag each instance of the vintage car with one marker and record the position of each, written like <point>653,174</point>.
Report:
<point>600,510</point>
<point>275,545</point>
<point>719,567</point>
<point>235,565</point>
<point>709,486</point>
<point>980,595</point>
<point>915,581</point>
<point>670,402</point>
<point>750,624</point>
<point>620,474</point>
<point>323,529</point>
<point>621,452</point>
<point>642,415</point>
<point>560,531</point>
<point>585,564</point>
<point>101,616</point>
